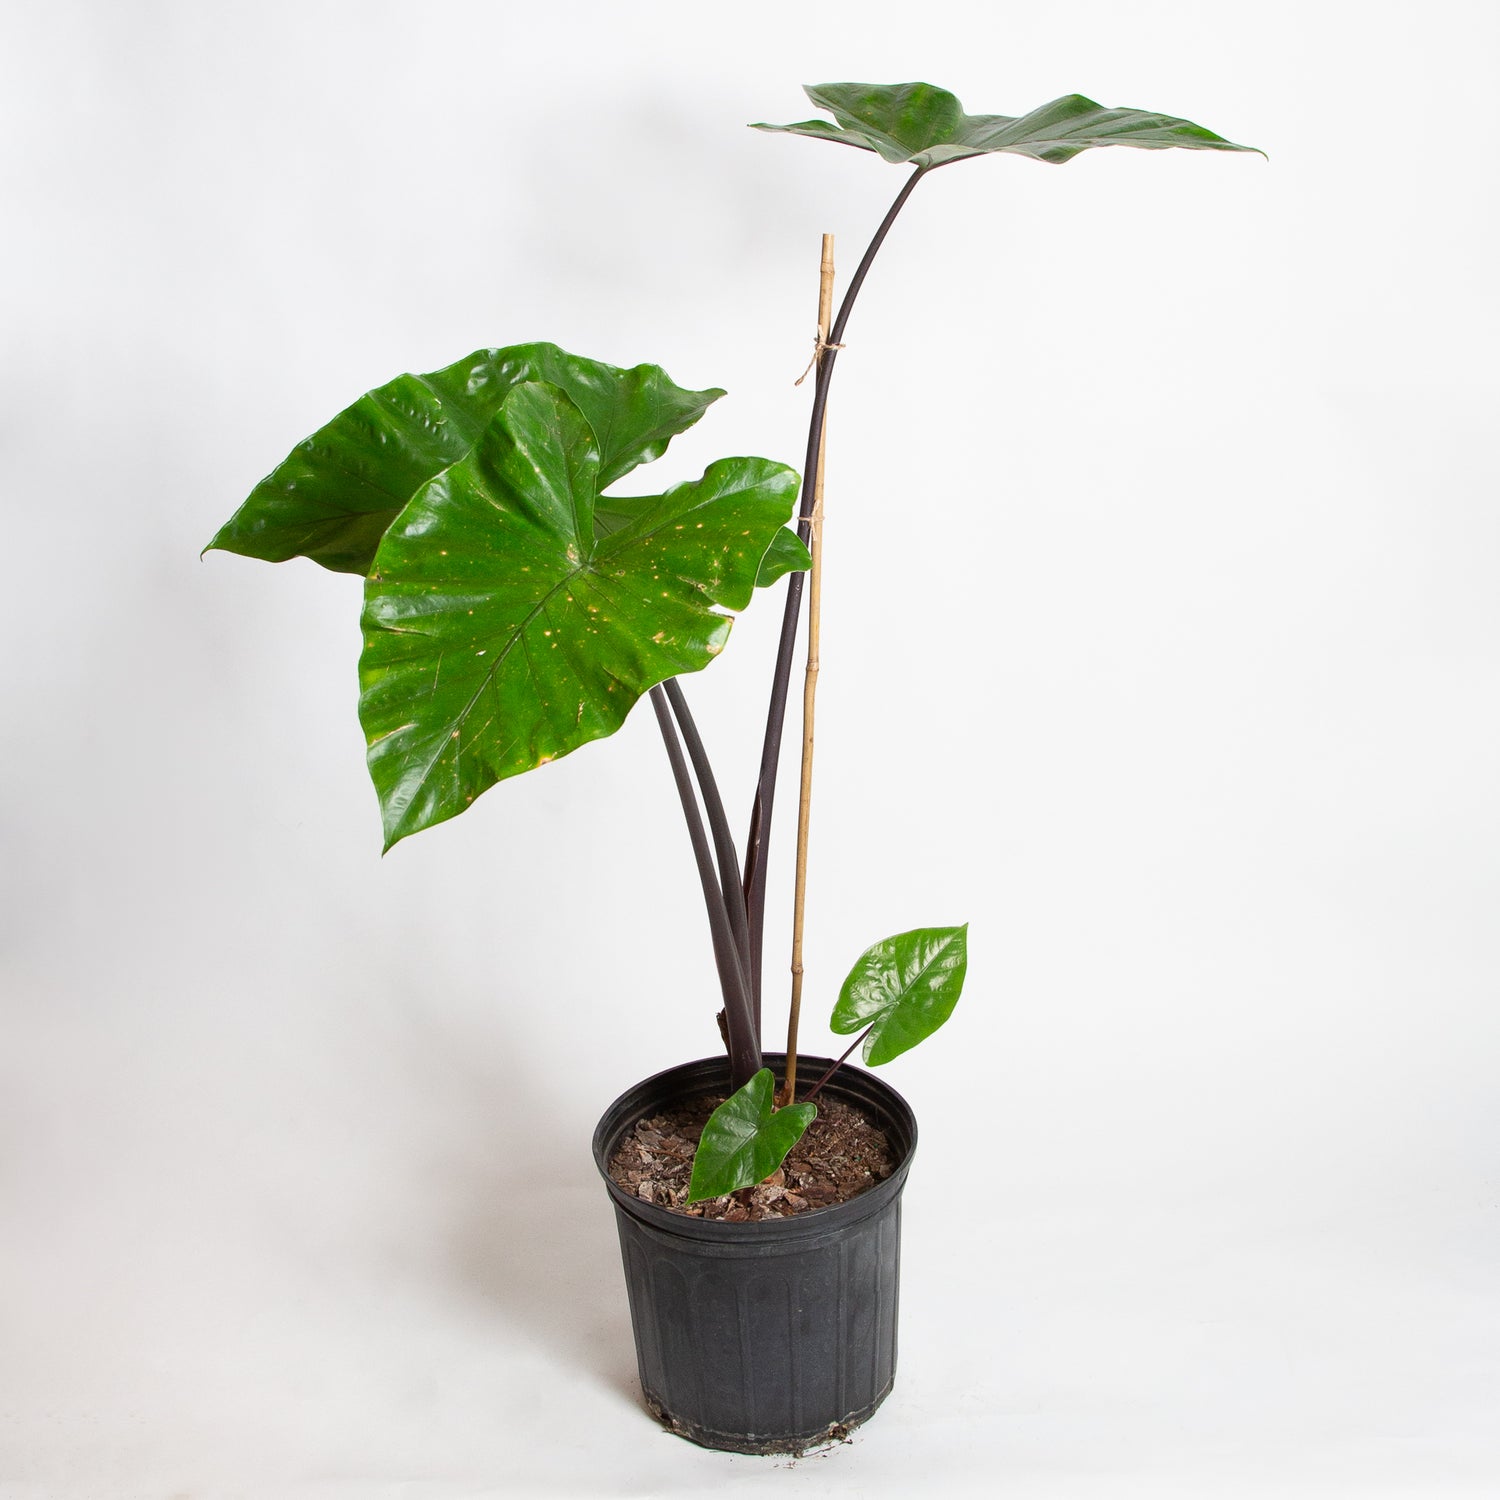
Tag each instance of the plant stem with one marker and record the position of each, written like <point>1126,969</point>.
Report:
<point>839,1064</point>
<point>758,843</point>
<point>744,1045</point>
<point>718,822</point>
<point>809,686</point>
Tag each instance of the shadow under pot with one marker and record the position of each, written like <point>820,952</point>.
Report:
<point>773,1335</point>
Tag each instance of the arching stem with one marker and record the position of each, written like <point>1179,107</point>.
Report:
<point>758,843</point>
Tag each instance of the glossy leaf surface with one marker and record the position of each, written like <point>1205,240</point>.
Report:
<point>903,988</point>
<point>926,126</point>
<point>745,1139</point>
<point>337,492</point>
<point>512,616</point>
<point>786,554</point>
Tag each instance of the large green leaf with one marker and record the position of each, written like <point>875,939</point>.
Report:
<point>745,1139</point>
<point>903,989</point>
<point>509,618</point>
<point>917,123</point>
<point>338,491</point>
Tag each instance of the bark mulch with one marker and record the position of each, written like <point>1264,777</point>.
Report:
<point>840,1155</point>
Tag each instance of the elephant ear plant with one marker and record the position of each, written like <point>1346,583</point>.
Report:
<point>516,608</point>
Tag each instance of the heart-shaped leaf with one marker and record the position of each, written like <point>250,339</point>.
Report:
<point>338,491</point>
<point>903,989</point>
<point>512,615</point>
<point>745,1139</point>
<point>917,123</point>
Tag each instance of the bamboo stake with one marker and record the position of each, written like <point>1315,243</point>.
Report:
<point>809,684</point>
<point>758,841</point>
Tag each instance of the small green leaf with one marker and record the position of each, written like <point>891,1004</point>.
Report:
<point>338,492</point>
<point>745,1139</point>
<point>786,554</point>
<point>903,989</point>
<point>926,126</point>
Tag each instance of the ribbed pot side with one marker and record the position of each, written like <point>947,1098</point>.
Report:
<point>763,1337</point>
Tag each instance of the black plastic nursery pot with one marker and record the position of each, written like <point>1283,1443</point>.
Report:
<point>763,1337</point>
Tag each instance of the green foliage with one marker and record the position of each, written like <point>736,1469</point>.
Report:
<point>903,989</point>
<point>926,126</point>
<point>337,492</point>
<point>746,1139</point>
<point>512,615</point>
<point>515,609</point>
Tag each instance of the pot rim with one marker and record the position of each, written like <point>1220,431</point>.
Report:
<point>854,1085</point>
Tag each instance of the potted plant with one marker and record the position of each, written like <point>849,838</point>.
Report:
<point>515,609</point>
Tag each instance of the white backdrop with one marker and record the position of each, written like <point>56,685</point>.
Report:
<point>1161,645</point>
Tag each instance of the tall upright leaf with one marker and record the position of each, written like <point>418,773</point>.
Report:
<point>510,617</point>
<point>926,126</point>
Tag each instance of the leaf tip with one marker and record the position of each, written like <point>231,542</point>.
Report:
<point>217,543</point>
<point>393,832</point>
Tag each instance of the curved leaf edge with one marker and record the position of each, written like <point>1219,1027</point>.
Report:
<point>787,554</point>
